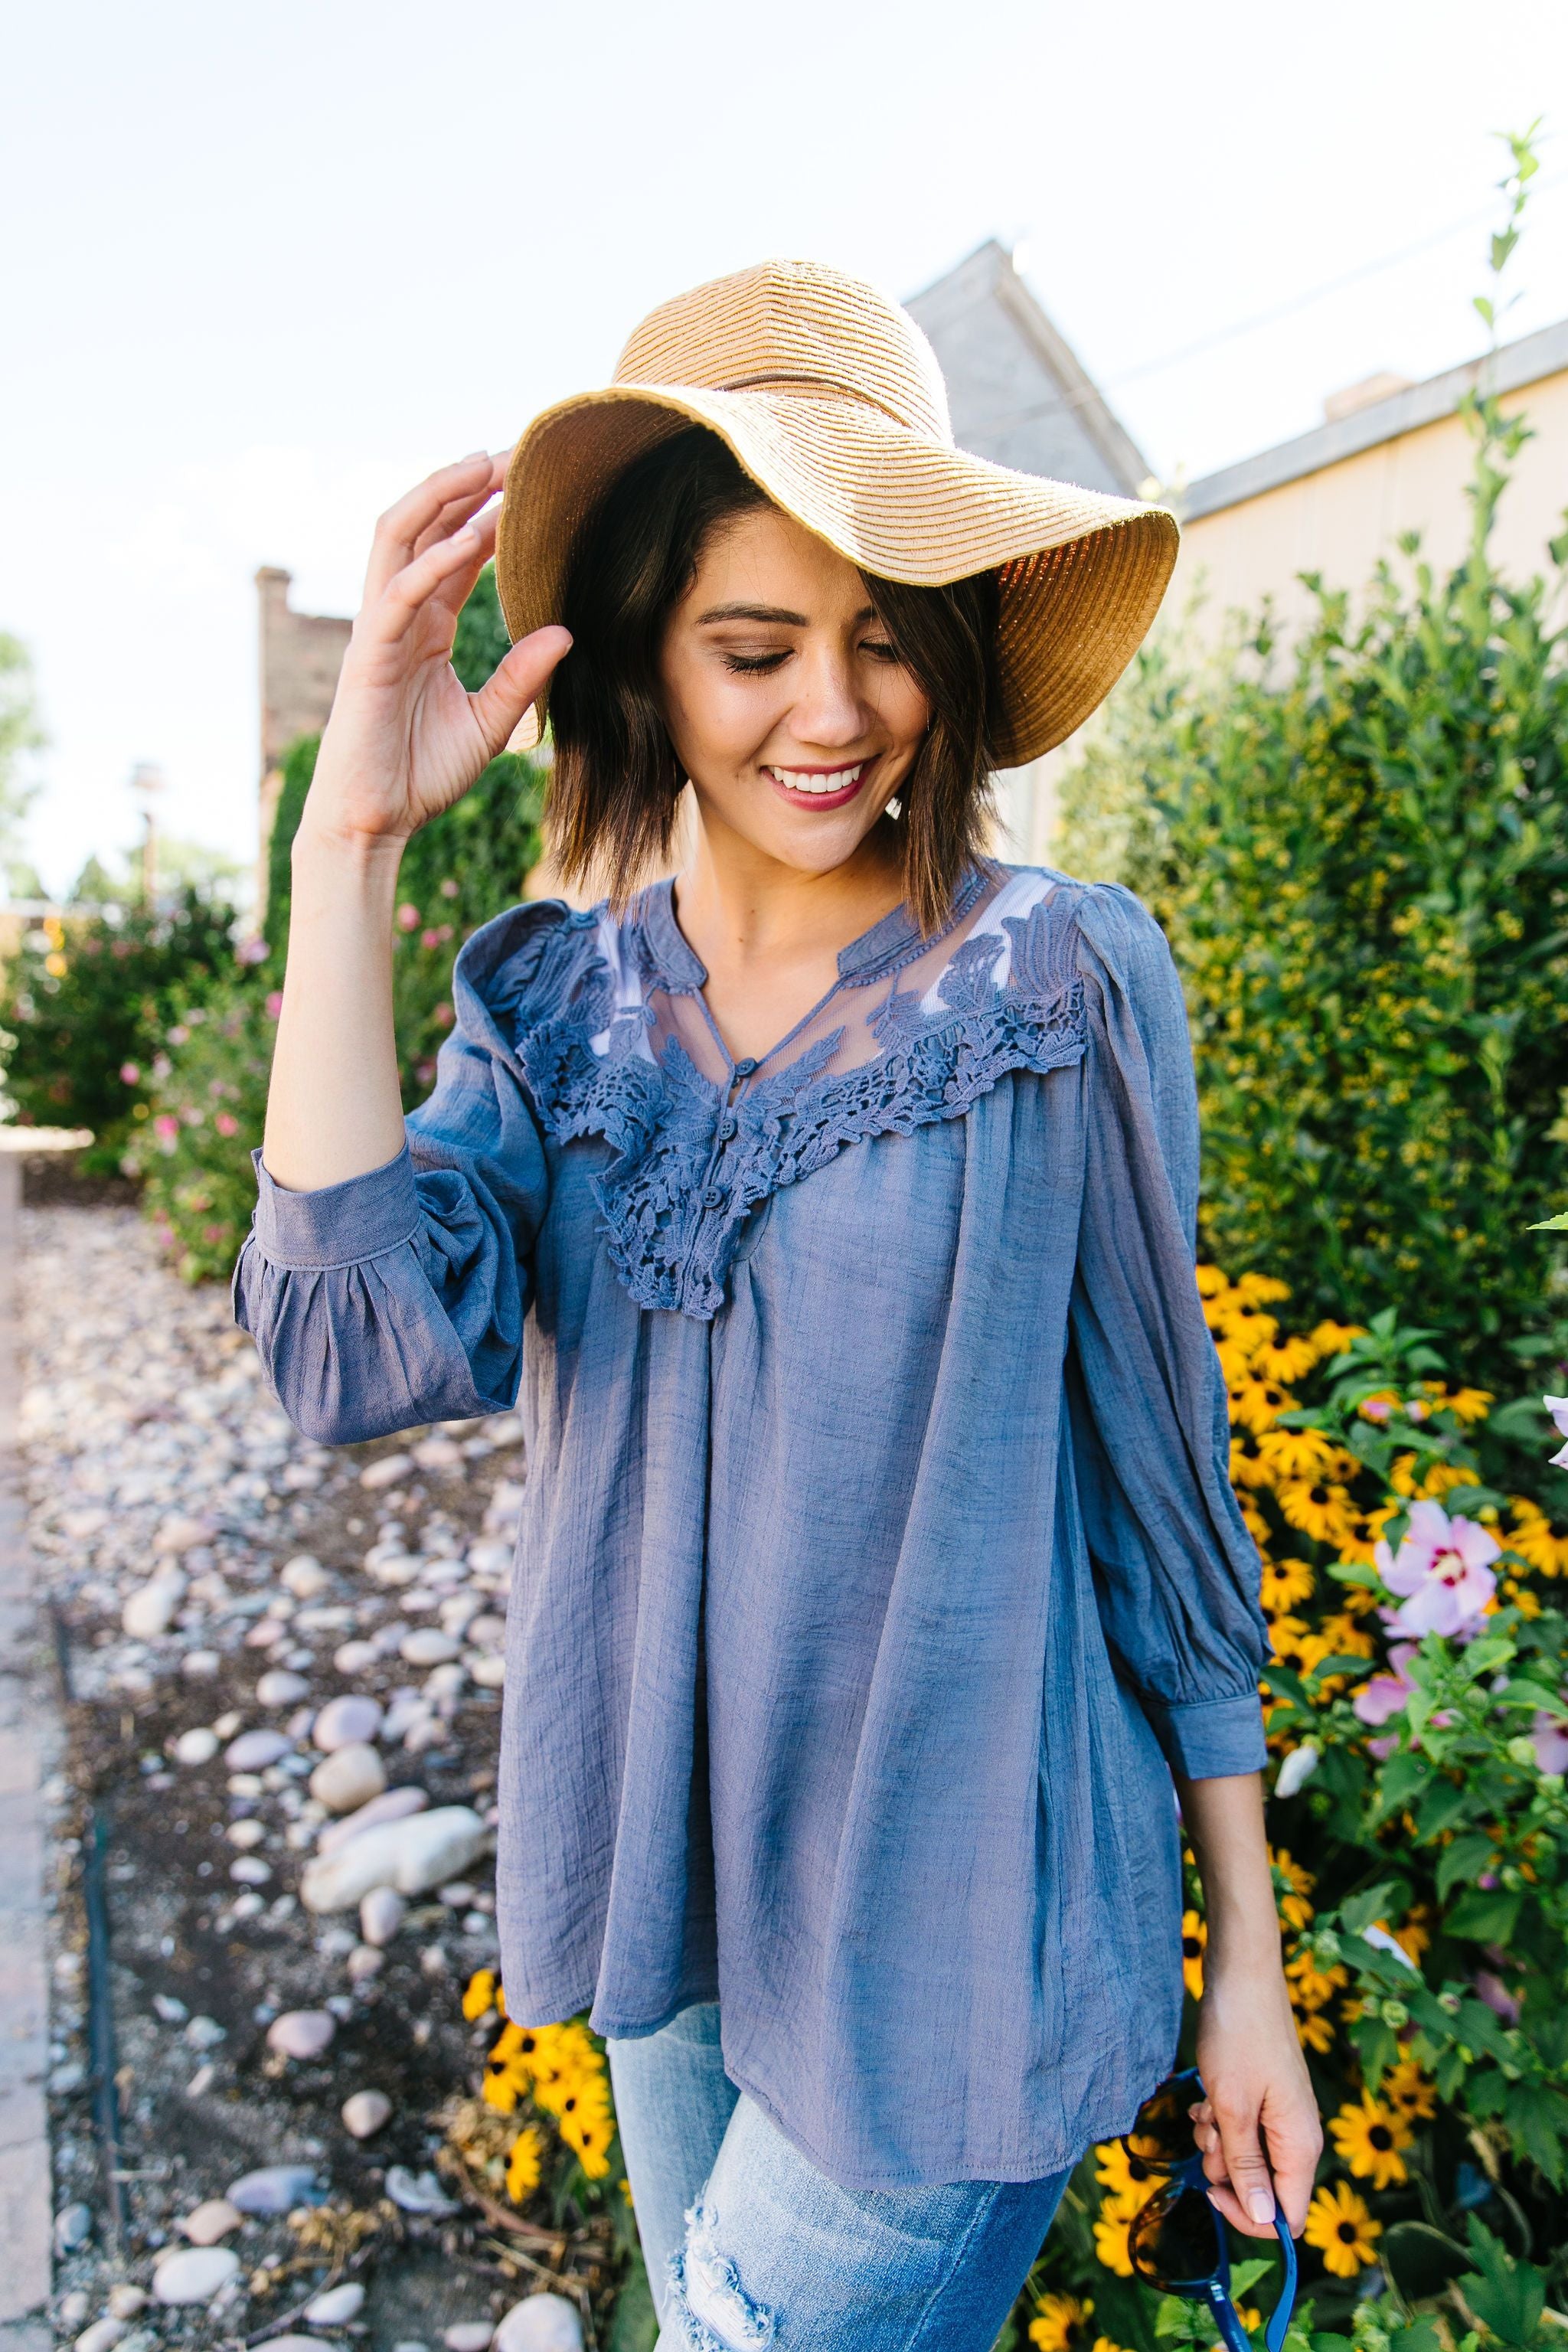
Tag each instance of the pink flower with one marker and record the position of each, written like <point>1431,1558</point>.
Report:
<point>1497,1996</point>
<point>275,1004</point>
<point>1386,1694</point>
<point>1558,1408</point>
<point>1442,1568</point>
<point>407,916</point>
<point>179,1035</point>
<point>429,938</point>
<point>251,952</point>
<point>226,1122</point>
<point>1376,1409</point>
<point>1551,1741</point>
<point>130,1073</point>
<point>166,1126</point>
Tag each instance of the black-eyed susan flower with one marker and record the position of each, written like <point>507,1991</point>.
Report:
<point>1368,2136</point>
<point>1410,2091</point>
<point>1318,1508</point>
<point>524,2164</point>
<point>1314,2030</point>
<point>1340,2227</point>
<point>1059,2321</point>
<point>1286,1584</point>
<point>1112,2224</point>
<point>1296,1454</point>
<point>480,1997</point>
<point>1122,2174</point>
<point>1292,1884</point>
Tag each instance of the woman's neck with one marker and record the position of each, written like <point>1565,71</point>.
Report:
<point>768,935</point>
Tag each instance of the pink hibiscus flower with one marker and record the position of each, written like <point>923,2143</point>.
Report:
<point>1558,1408</point>
<point>1386,1693</point>
<point>1443,1568</point>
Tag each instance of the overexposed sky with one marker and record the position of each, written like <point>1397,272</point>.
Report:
<point>263,267</point>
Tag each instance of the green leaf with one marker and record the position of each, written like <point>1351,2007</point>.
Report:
<point>1463,1861</point>
<point>1507,2296</point>
<point>1442,1805</point>
<point>1386,1900</point>
<point>1559,1223</point>
<point>1538,2116</point>
<point>1487,1914</point>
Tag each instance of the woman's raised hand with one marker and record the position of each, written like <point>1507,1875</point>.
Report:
<point>405,739</point>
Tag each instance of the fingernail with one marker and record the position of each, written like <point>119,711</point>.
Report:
<point>1260,2207</point>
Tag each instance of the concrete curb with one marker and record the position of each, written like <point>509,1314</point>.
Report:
<point>26,2178</point>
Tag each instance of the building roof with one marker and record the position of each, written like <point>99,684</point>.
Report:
<point>1533,356</point>
<point>1017,391</point>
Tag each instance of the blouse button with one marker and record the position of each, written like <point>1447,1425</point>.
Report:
<point>744,1069</point>
<point>713,1196</point>
<point>727,1126</point>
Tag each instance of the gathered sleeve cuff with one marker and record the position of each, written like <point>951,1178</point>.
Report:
<point>1176,1572</point>
<point>363,1217</point>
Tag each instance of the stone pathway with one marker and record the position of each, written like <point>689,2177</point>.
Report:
<point>284,1665</point>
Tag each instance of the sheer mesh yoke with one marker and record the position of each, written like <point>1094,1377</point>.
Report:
<point>913,1030</point>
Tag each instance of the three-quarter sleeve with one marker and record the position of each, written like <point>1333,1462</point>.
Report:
<point>398,1296</point>
<point>1177,1573</point>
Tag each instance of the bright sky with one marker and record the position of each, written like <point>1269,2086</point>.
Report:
<point>267,265</point>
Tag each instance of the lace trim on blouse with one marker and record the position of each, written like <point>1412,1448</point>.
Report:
<point>609,1049</point>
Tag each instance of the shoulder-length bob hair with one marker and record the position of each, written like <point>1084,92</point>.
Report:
<point>616,783</point>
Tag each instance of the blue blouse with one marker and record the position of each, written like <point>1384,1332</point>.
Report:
<point>878,1560</point>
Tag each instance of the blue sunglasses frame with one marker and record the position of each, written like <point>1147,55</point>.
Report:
<point>1213,2289</point>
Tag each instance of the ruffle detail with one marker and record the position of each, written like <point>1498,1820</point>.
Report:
<point>674,1208</point>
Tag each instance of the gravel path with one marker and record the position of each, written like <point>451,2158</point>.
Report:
<point>260,1637</point>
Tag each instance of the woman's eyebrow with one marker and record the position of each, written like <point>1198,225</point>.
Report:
<point>771,613</point>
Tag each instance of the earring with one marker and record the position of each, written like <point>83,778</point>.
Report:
<point>895,807</point>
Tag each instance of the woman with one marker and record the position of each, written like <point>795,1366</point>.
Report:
<point>828,1214</point>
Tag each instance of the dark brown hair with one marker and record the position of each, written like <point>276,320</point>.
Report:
<point>617,781</point>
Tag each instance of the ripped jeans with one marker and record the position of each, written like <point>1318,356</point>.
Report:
<point>748,2244</point>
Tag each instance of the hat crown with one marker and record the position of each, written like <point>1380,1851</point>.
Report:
<point>794,326</point>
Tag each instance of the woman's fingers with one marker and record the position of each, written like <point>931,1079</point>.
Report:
<point>514,684</point>
<point>404,523</point>
<point>1246,2167</point>
<point>458,560</point>
<point>1295,2138</point>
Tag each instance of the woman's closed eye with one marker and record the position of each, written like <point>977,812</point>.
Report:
<point>760,664</point>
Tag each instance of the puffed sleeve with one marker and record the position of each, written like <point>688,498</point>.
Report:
<point>1177,1573</point>
<point>398,1296</point>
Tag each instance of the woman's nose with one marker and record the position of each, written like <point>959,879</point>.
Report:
<point>828,713</point>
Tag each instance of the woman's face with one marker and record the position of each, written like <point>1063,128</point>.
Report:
<point>786,704</point>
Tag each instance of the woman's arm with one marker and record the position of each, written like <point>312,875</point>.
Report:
<point>403,743</point>
<point>1260,2116</point>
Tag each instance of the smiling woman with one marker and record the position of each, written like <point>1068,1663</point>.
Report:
<point>826,1211</point>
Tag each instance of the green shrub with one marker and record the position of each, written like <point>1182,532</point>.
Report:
<point>210,1105</point>
<point>86,1005</point>
<point>1359,847</point>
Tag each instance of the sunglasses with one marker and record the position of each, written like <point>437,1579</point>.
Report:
<point>1177,2241</point>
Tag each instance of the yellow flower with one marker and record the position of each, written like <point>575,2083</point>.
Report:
<point>1287,1360</point>
<point>481,1995</point>
<point>55,965</point>
<point>1212,1282</point>
<point>1328,1338</point>
<point>1121,2174</point>
<point>1531,1537</point>
<point>1246,1469</point>
<point>1345,1638</point>
<point>1104,2344</point>
<point>1442,1478</point>
<point>1311,1987</point>
<point>1343,2230</point>
<point>1467,1404</point>
<point>1194,1935</point>
<point>1415,1934</point>
<point>1296,1452</point>
<point>1411,2091</point>
<point>524,2164</point>
<point>1111,2225</point>
<point>1292,1906</point>
<point>1368,2136</point>
<point>1318,1509</point>
<point>1255,1403</point>
<point>1285,1583</point>
<point>1058,2319</point>
<point>1314,2031</point>
<point>1261,1289</point>
<point>1295,1647</point>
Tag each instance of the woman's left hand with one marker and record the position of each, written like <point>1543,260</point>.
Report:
<point>1261,2117</point>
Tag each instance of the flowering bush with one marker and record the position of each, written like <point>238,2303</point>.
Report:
<point>1418,1729</point>
<point>86,1002</point>
<point>205,1107</point>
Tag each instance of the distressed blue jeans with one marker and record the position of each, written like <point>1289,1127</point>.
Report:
<point>748,2244</point>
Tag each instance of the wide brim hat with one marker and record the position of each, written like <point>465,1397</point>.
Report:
<point>831,398</point>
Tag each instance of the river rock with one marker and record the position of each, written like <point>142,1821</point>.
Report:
<point>73,2228</point>
<point>275,2189</point>
<point>410,1855</point>
<point>468,2335</point>
<point>194,2274</point>
<point>253,1751</point>
<point>364,1962</point>
<point>349,1777</point>
<point>182,1534</point>
<point>426,1645</point>
<point>381,1914</point>
<point>198,1747</point>
<point>337,2305</point>
<point>292,2344</point>
<point>394,1806</point>
<point>126,2301</point>
<point>250,1870</point>
<point>541,2323</point>
<point>489,1669</point>
<point>281,1687</point>
<point>346,1722</point>
<point>103,2334</point>
<point>365,2112</point>
<point>301,2032</point>
<point>304,1577</point>
<point>150,1611</point>
<point>386,1472</point>
<point>211,2220</point>
<point>416,2193</point>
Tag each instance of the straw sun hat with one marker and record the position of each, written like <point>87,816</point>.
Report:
<point>831,398</point>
